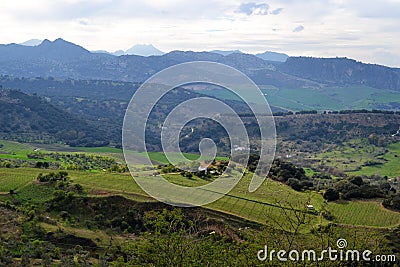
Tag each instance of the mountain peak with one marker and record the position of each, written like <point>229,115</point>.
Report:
<point>144,50</point>
<point>273,56</point>
<point>31,42</point>
<point>60,43</point>
<point>60,40</point>
<point>45,41</point>
<point>226,52</point>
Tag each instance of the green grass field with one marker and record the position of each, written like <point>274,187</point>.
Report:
<point>351,156</point>
<point>99,149</point>
<point>159,157</point>
<point>11,179</point>
<point>34,193</point>
<point>328,98</point>
<point>162,158</point>
<point>363,213</point>
<point>14,150</point>
<point>253,206</point>
<point>391,166</point>
<point>267,204</point>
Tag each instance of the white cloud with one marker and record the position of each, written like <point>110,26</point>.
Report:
<point>276,11</point>
<point>375,9</point>
<point>298,28</point>
<point>253,9</point>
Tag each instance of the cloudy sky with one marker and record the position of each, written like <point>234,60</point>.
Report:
<point>365,30</point>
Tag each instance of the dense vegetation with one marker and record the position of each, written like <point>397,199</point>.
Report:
<point>335,174</point>
<point>75,218</point>
<point>30,119</point>
<point>71,229</point>
<point>83,89</point>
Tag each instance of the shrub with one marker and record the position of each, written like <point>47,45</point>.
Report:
<point>294,183</point>
<point>331,194</point>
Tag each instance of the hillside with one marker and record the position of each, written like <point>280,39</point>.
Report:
<point>31,119</point>
<point>342,71</point>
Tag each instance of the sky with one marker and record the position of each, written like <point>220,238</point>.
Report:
<point>366,30</point>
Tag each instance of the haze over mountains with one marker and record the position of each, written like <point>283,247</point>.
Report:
<point>62,59</point>
<point>147,50</point>
<point>298,83</point>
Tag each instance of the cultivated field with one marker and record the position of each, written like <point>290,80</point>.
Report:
<point>269,204</point>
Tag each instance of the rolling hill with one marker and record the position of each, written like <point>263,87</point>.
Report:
<point>31,119</point>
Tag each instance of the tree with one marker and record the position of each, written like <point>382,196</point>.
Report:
<point>392,202</point>
<point>294,183</point>
<point>357,180</point>
<point>78,188</point>
<point>331,194</point>
<point>6,258</point>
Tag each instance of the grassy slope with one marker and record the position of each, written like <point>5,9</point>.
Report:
<point>353,156</point>
<point>390,168</point>
<point>14,150</point>
<point>363,213</point>
<point>254,206</point>
<point>350,156</point>
<point>12,179</point>
<point>329,98</point>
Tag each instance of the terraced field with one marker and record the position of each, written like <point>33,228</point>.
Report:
<point>269,204</point>
<point>364,213</point>
<point>14,150</point>
<point>13,179</point>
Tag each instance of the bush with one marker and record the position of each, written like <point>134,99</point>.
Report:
<point>42,165</point>
<point>53,177</point>
<point>327,215</point>
<point>78,188</point>
<point>294,183</point>
<point>331,194</point>
<point>307,183</point>
<point>392,202</point>
<point>364,191</point>
<point>357,180</point>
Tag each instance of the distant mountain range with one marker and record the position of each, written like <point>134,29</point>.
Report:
<point>144,50</point>
<point>273,56</point>
<point>268,55</point>
<point>62,59</point>
<point>147,50</point>
<point>225,52</point>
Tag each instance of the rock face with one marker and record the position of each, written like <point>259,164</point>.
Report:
<point>342,71</point>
